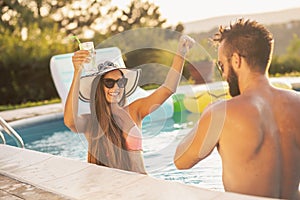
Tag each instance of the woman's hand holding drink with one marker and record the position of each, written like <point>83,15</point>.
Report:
<point>89,64</point>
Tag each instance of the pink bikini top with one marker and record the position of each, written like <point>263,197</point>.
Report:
<point>134,139</point>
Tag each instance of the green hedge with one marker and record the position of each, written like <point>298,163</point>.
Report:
<point>25,72</point>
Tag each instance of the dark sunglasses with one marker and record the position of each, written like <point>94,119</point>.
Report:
<point>110,83</point>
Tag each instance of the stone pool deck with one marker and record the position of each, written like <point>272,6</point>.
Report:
<point>13,115</point>
<point>27,174</point>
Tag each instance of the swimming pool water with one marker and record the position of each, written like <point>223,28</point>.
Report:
<point>160,139</point>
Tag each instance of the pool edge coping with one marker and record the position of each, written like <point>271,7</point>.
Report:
<point>166,187</point>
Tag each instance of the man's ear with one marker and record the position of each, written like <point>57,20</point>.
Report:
<point>236,61</point>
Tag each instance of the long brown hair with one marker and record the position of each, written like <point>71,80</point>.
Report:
<point>107,144</point>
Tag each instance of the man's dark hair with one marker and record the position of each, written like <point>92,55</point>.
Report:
<point>250,40</point>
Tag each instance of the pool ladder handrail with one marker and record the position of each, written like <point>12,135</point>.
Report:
<point>11,132</point>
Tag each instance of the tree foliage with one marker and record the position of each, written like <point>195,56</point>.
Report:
<point>288,62</point>
<point>25,74</point>
<point>138,15</point>
<point>72,16</point>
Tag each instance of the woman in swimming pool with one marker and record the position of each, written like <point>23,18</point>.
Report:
<point>113,129</point>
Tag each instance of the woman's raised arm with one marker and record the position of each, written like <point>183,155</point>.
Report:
<point>149,104</point>
<point>71,119</point>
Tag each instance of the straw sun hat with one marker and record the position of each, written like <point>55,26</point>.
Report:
<point>103,68</point>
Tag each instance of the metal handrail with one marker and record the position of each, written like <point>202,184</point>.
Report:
<point>2,138</point>
<point>10,131</point>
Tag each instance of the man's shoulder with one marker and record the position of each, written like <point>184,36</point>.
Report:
<point>229,104</point>
<point>238,107</point>
<point>285,97</point>
<point>290,93</point>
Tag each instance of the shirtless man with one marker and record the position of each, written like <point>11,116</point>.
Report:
<point>257,132</point>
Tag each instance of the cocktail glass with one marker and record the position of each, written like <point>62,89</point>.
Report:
<point>90,65</point>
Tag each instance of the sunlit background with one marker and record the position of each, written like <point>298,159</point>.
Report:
<point>191,10</point>
<point>32,31</point>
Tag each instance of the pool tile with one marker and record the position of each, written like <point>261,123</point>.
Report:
<point>8,153</point>
<point>20,160</point>
<point>94,179</point>
<point>50,169</point>
<point>151,188</point>
<point>7,196</point>
<point>11,189</point>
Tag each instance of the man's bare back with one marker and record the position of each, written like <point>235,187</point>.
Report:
<point>265,128</point>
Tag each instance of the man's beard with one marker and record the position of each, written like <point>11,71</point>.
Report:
<point>233,83</point>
